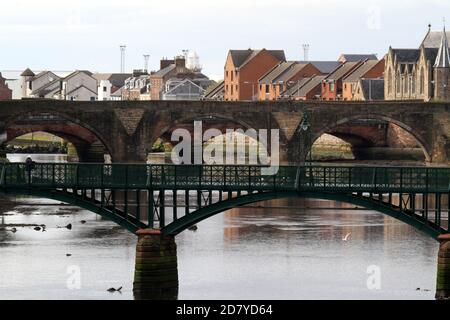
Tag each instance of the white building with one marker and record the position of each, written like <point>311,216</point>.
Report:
<point>110,85</point>
<point>104,90</point>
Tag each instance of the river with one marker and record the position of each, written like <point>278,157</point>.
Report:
<point>266,251</point>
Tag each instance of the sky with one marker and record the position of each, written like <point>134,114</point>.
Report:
<point>86,34</point>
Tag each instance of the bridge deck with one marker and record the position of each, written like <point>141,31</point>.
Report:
<point>248,178</point>
<point>137,195</point>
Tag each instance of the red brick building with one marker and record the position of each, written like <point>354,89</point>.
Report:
<point>244,68</point>
<point>283,76</point>
<point>5,92</point>
<point>305,89</point>
<point>370,69</point>
<point>332,87</point>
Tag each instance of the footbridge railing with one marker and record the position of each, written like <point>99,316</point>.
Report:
<point>139,195</point>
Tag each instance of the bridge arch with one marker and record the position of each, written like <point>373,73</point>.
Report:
<point>421,141</point>
<point>80,134</point>
<point>209,121</point>
<point>195,217</point>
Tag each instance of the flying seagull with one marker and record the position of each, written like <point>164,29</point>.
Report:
<point>347,237</point>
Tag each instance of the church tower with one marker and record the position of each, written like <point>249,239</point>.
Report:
<point>442,70</point>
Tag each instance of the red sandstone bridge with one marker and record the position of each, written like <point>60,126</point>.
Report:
<point>127,130</point>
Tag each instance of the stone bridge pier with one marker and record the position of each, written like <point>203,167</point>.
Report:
<point>156,270</point>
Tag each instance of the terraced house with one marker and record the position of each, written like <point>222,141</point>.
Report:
<point>244,68</point>
<point>283,76</point>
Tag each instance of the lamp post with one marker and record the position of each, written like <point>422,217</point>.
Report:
<point>305,126</point>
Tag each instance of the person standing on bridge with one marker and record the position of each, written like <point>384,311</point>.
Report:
<point>29,167</point>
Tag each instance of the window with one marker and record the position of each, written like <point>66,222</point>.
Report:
<point>231,90</point>
<point>104,89</point>
<point>236,88</point>
<point>332,87</point>
<point>92,98</point>
<point>422,81</point>
<point>397,83</point>
<point>226,74</point>
<point>231,75</point>
<point>267,88</point>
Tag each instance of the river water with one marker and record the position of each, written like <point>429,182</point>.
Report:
<point>262,252</point>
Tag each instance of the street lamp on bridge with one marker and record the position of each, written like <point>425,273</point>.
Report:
<point>305,126</point>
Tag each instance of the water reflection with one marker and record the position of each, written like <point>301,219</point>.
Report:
<point>246,253</point>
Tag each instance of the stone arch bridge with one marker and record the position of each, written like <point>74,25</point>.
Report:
<point>128,129</point>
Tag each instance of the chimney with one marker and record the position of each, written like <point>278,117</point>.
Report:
<point>180,62</point>
<point>165,63</point>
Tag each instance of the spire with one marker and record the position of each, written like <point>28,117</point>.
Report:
<point>443,57</point>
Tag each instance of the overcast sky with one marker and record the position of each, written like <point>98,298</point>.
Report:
<point>86,34</point>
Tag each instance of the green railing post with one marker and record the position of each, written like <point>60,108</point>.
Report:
<point>53,175</point>
<point>102,172</point>
<point>349,178</point>
<point>3,177</point>
<point>77,173</point>
<point>375,187</point>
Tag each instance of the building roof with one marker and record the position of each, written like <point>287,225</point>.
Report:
<point>310,85</point>
<point>406,55</point>
<point>303,87</point>
<point>342,70</point>
<point>186,87</point>
<point>431,53</point>
<point>275,72</point>
<point>165,71</point>
<point>373,89</point>
<point>360,71</point>
<point>79,87</point>
<point>356,57</point>
<point>43,73</point>
<point>45,87</point>
<point>443,56</point>
<point>27,73</point>
<point>242,57</point>
<point>77,72</point>
<point>433,39</point>
<point>325,67</point>
<point>216,92</point>
<point>116,79</point>
<point>117,93</point>
<point>291,72</point>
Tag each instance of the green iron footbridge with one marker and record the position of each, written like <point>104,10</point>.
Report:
<point>173,198</point>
